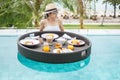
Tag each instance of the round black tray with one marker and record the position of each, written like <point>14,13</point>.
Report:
<point>36,53</point>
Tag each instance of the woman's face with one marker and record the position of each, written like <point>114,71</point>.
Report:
<point>53,14</point>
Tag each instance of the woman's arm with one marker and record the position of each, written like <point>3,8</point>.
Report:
<point>42,25</point>
<point>61,25</point>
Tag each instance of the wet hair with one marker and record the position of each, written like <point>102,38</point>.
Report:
<point>46,16</point>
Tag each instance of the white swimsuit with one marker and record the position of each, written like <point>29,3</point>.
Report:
<point>51,28</point>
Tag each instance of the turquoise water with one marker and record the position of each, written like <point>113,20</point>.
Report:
<point>103,64</point>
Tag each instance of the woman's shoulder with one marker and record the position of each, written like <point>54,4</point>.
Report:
<point>43,21</point>
<point>59,21</point>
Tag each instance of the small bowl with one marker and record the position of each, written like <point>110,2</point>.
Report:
<point>61,40</point>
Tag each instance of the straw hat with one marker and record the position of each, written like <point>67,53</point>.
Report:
<point>50,8</point>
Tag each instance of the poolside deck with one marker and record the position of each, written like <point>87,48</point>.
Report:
<point>78,31</point>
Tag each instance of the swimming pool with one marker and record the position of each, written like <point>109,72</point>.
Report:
<point>103,64</point>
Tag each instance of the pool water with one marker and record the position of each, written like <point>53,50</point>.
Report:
<point>102,64</point>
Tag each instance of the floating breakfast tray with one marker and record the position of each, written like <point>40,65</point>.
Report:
<point>36,53</point>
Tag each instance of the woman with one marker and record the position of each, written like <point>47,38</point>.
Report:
<point>51,21</point>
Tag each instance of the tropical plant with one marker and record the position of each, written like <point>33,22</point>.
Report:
<point>114,3</point>
<point>104,12</point>
<point>21,13</point>
<point>81,11</point>
<point>76,7</point>
<point>95,6</point>
<point>14,12</point>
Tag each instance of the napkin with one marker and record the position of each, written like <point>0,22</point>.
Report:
<point>66,36</point>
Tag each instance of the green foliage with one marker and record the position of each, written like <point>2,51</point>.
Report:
<point>69,26</point>
<point>15,13</point>
<point>22,13</point>
<point>13,18</point>
<point>117,2</point>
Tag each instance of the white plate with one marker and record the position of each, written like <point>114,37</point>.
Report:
<point>29,42</point>
<point>57,51</point>
<point>62,51</point>
<point>47,34</point>
<point>80,42</point>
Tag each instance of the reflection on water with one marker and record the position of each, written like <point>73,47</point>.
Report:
<point>47,67</point>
